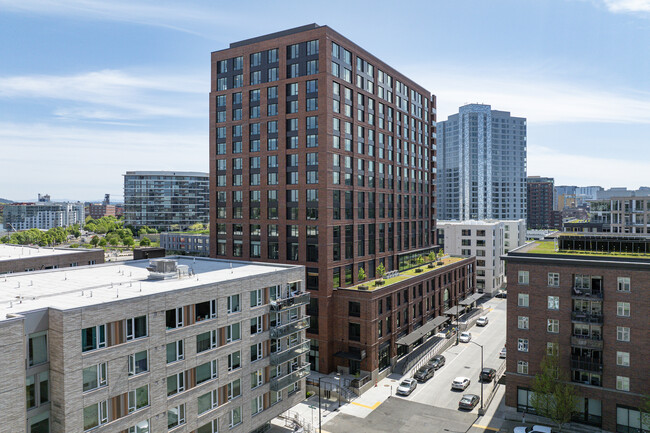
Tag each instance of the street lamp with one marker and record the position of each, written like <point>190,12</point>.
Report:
<point>320,419</point>
<point>479,377</point>
<point>457,323</point>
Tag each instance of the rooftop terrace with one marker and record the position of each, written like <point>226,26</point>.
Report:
<point>589,246</point>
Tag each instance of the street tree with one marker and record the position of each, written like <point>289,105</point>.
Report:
<point>554,396</point>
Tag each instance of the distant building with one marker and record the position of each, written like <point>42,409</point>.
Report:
<point>540,202</point>
<point>43,198</point>
<point>21,258</point>
<point>96,211</point>
<point>43,215</point>
<point>186,243</point>
<point>177,344</point>
<point>623,214</point>
<point>481,171</point>
<point>166,200</point>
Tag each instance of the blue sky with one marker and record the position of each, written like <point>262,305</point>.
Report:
<point>90,89</point>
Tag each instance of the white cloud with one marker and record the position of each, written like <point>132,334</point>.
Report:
<point>619,6</point>
<point>529,94</point>
<point>113,94</point>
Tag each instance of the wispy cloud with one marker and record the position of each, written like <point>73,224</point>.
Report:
<point>628,6</point>
<point>533,95</point>
<point>113,94</point>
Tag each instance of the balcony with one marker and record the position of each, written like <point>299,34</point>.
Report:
<point>588,342</point>
<point>584,317</point>
<point>585,363</point>
<point>586,293</point>
<point>296,349</point>
<point>290,327</point>
<point>279,383</point>
<point>294,300</point>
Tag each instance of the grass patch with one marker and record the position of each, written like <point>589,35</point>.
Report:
<point>548,247</point>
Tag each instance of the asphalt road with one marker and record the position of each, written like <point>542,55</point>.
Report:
<point>465,360</point>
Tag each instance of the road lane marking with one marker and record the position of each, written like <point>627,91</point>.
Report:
<point>373,407</point>
<point>485,427</point>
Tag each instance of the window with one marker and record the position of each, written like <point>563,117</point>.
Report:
<point>234,360</point>
<point>37,348</point>
<point>257,378</point>
<point>522,322</point>
<point>175,383</point>
<point>523,277</point>
<point>234,417</point>
<point>522,367</point>
<point>623,309</point>
<point>207,402</point>
<point>94,377</point>
<point>552,349</point>
<point>175,351</point>
<point>257,405</point>
<point>256,325</point>
<point>141,427</point>
<point>354,332</point>
<point>233,332</point>
<point>37,389</point>
<point>522,300</point>
<point>207,371</point>
<point>206,341</point>
<point>354,309</point>
<point>138,398</point>
<point>553,326</point>
<point>623,359</point>
<point>205,310</point>
<point>522,344</point>
<point>174,318</point>
<point>553,279</point>
<point>256,352</point>
<point>234,389</point>
<point>622,333</point>
<point>312,47</point>
<point>233,304</point>
<point>136,327</point>
<point>623,284</point>
<point>256,298</point>
<point>95,415</point>
<point>553,302</point>
<point>93,338</point>
<point>138,363</point>
<point>176,416</point>
<point>312,67</point>
<point>622,383</point>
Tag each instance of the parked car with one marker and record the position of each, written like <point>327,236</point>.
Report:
<point>502,294</point>
<point>502,354</point>
<point>460,383</point>
<point>407,386</point>
<point>465,337</point>
<point>437,361</point>
<point>487,374</point>
<point>424,373</point>
<point>482,321</point>
<point>469,401</point>
<point>533,429</point>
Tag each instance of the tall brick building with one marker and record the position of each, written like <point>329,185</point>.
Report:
<point>540,202</point>
<point>586,297</point>
<point>323,155</point>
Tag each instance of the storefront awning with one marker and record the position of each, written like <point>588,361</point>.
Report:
<point>414,336</point>
<point>471,299</point>
<point>354,356</point>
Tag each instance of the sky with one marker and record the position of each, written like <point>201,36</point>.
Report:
<point>90,89</point>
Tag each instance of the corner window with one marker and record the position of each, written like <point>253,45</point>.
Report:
<point>37,348</point>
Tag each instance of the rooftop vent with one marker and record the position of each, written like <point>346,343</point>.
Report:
<point>165,269</point>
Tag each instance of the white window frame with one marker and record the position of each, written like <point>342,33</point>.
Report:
<point>523,278</point>
<point>259,324</point>
<point>131,362</point>
<point>180,351</point>
<point>522,344</point>
<point>623,359</point>
<point>230,361</point>
<point>130,323</point>
<point>523,300</point>
<point>101,373</point>
<point>100,331</point>
<point>552,348</point>
<point>181,415</point>
<point>258,375</point>
<point>260,404</point>
<point>230,389</point>
<point>132,403</point>
<point>553,326</point>
<point>259,297</point>
<point>622,383</point>
<point>230,304</point>
<point>231,423</point>
<point>179,317</point>
<point>623,333</point>
<point>553,302</point>
<point>229,333</point>
<point>138,428</point>
<point>180,382</point>
<point>623,309</point>
<point>213,340</point>
<point>553,279</point>
<point>260,355</point>
<point>523,322</point>
<point>623,284</point>
<point>522,367</point>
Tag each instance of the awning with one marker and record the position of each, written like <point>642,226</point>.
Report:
<point>471,299</point>
<point>354,356</point>
<point>453,311</point>
<point>414,336</point>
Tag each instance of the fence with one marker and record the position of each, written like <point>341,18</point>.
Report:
<point>326,387</point>
<point>495,386</point>
<point>297,423</point>
<point>438,346</point>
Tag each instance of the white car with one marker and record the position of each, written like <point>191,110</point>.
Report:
<point>502,354</point>
<point>465,337</point>
<point>460,383</point>
<point>482,321</point>
<point>533,429</point>
<point>407,386</point>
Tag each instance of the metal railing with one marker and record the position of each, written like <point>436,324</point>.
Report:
<point>298,298</point>
<point>584,317</point>
<point>279,383</point>
<point>590,342</point>
<point>587,293</point>
<point>583,363</point>
<point>290,327</point>
<point>293,351</point>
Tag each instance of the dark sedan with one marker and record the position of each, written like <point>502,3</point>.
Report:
<point>488,374</point>
<point>424,373</point>
<point>469,401</point>
<point>437,361</point>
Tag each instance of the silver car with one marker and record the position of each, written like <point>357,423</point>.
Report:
<point>407,386</point>
<point>460,383</point>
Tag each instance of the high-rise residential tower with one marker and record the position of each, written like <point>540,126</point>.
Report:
<point>323,155</point>
<point>481,165</point>
<point>540,202</point>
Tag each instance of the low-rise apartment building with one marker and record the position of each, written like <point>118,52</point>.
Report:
<point>186,243</point>
<point>23,258</point>
<point>42,215</point>
<point>584,298</point>
<point>180,344</point>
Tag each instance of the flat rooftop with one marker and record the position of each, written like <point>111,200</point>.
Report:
<point>14,252</point>
<point>71,288</point>
<point>548,248</point>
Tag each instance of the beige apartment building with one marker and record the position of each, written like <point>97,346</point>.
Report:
<point>169,345</point>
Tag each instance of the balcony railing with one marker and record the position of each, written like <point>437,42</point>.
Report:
<point>584,317</point>
<point>279,383</point>
<point>588,364</point>
<point>290,327</point>
<point>295,299</point>
<point>587,293</point>
<point>297,349</point>
<point>589,342</point>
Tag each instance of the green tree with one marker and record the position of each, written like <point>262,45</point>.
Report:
<point>145,242</point>
<point>645,412</point>
<point>432,256</point>
<point>362,274</point>
<point>420,260</point>
<point>554,396</point>
<point>381,271</point>
<point>196,227</point>
<point>102,242</point>
<point>94,240</point>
